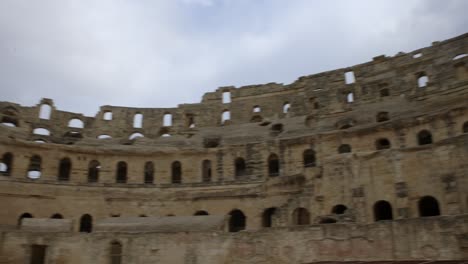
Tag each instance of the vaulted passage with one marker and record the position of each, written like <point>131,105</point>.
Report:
<point>237,221</point>
<point>428,206</point>
<point>86,223</point>
<point>268,217</point>
<point>383,211</point>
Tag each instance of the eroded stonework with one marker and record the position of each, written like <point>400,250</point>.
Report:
<point>366,163</point>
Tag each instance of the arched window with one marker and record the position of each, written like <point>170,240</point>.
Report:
<point>268,216</point>
<point>465,127</point>
<point>286,107</point>
<point>5,164</point>
<point>115,252</point>
<point>422,80</point>
<point>25,215</point>
<point>424,137</point>
<point>86,223</point>
<point>34,170</point>
<point>273,165</point>
<point>64,169</point>
<point>309,158</point>
<point>382,143</point>
<point>382,117</point>
<point>93,171</point>
<point>301,216</point>
<point>206,171</point>
<point>256,109</point>
<point>41,131</point>
<point>237,221</point>
<point>135,135</point>
<point>428,206</point>
<point>384,92</point>
<point>167,120</point>
<point>176,172</point>
<point>121,174</point>
<point>56,216</point>
<point>349,77</point>
<point>45,111</point>
<point>75,123</point>
<point>240,169</point>
<point>383,211</point>
<point>107,115</point>
<point>138,120</point>
<point>339,209</point>
<point>149,173</point>
<point>350,98</point>
<point>9,117</point>
<point>201,212</point>
<point>225,116</point>
<point>344,148</point>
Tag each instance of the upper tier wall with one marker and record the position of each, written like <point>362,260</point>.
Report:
<point>320,95</point>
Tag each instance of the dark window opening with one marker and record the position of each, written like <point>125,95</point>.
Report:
<point>382,143</point>
<point>382,117</point>
<point>344,148</point>
<point>149,172</point>
<point>424,137</point>
<point>465,127</point>
<point>301,216</point>
<point>64,169</point>
<point>38,254</point>
<point>327,220</point>
<point>93,171</point>
<point>240,167</point>
<point>176,172</point>
<point>201,212</point>
<point>206,171</point>
<point>428,206</point>
<point>25,215</point>
<point>237,221</point>
<point>277,128</point>
<point>56,216</point>
<point>121,176</point>
<point>273,165</point>
<point>339,209</point>
<point>86,223</point>
<point>383,211</point>
<point>384,92</point>
<point>5,164</point>
<point>116,252</point>
<point>309,158</point>
<point>422,80</point>
<point>268,217</point>
<point>34,170</point>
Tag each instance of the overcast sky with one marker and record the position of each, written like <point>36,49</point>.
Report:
<point>160,53</point>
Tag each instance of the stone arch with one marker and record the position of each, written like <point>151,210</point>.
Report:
<point>382,143</point>
<point>64,169</point>
<point>424,137</point>
<point>45,111</point>
<point>423,79</point>
<point>149,173</point>
<point>57,216</point>
<point>86,223</point>
<point>225,117</point>
<point>286,107</point>
<point>107,115</point>
<point>268,216</point>
<point>428,206</point>
<point>240,168</point>
<point>273,165</point>
<point>34,169</point>
<point>339,209</point>
<point>309,158</point>
<point>138,120</point>
<point>176,172</point>
<point>121,172</point>
<point>6,164</point>
<point>301,216</point>
<point>383,211</point>
<point>237,221</point>
<point>75,123</point>
<point>93,171</point>
<point>206,171</point>
<point>22,216</point>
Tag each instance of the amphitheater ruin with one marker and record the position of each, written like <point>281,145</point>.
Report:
<point>362,164</point>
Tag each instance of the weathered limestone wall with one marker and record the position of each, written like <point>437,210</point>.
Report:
<point>438,238</point>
